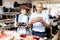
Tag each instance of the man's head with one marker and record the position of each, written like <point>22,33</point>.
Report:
<point>39,7</point>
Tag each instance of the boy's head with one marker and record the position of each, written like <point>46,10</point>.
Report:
<point>23,9</point>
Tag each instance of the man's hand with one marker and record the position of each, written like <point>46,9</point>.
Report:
<point>38,19</point>
<point>28,26</point>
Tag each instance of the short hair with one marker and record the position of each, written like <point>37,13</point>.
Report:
<point>39,3</point>
<point>23,7</point>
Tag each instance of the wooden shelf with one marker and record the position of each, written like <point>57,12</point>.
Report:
<point>9,13</point>
<point>55,37</point>
<point>6,20</point>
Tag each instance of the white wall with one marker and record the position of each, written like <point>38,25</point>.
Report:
<point>53,6</point>
<point>22,1</point>
<point>10,3</point>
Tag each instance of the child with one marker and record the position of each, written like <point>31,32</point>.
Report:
<point>22,18</point>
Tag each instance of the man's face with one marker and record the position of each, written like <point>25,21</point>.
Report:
<point>39,7</point>
<point>23,11</point>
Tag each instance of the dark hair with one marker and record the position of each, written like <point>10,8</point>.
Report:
<point>23,7</point>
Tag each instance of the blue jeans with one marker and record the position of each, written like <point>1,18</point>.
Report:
<point>49,39</point>
<point>41,34</point>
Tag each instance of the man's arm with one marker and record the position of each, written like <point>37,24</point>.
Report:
<point>45,24</point>
<point>33,20</point>
<point>30,24</point>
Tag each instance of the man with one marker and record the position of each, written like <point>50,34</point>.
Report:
<point>39,20</point>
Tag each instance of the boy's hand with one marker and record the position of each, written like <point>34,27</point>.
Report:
<point>16,24</point>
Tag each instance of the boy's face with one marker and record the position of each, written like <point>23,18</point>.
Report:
<point>23,11</point>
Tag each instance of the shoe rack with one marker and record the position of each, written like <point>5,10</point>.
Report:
<point>8,19</point>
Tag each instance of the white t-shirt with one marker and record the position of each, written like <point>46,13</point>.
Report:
<point>39,27</point>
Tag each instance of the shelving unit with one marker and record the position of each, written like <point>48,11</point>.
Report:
<point>3,21</point>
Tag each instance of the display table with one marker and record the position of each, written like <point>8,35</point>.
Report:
<point>13,35</point>
<point>7,38</point>
<point>6,35</point>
